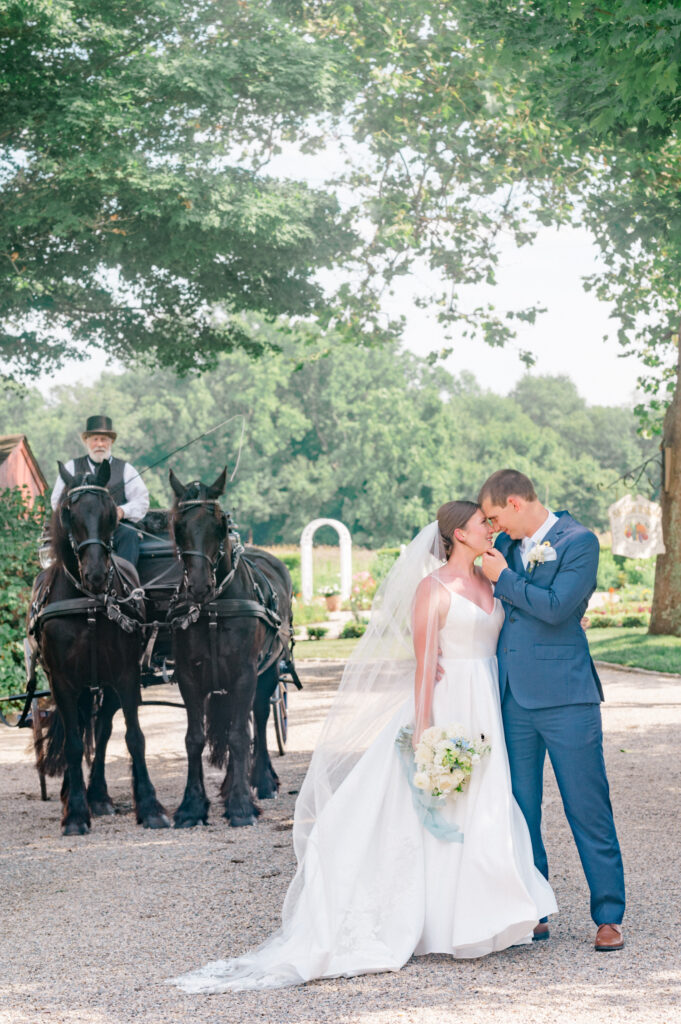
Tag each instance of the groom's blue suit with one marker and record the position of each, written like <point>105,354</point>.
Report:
<point>550,694</point>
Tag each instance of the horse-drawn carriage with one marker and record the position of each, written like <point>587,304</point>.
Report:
<point>205,612</point>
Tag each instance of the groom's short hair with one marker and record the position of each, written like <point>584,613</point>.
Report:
<point>505,482</point>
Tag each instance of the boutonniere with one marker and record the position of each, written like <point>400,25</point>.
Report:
<point>541,553</point>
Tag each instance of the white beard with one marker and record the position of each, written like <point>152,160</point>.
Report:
<point>99,456</point>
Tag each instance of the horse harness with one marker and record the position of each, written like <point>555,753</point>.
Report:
<point>265,607</point>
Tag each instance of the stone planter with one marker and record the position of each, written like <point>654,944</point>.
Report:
<point>333,602</point>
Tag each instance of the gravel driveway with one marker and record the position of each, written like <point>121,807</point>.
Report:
<point>91,926</point>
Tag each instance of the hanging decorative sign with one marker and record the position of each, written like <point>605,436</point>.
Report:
<point>636,526</point>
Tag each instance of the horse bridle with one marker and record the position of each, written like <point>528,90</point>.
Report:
<point>66,507</point>
<point>213,563</point>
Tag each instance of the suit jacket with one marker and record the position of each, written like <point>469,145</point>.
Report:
<point>543,651</point>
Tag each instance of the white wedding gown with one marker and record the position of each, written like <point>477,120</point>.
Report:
<point>376,886</point>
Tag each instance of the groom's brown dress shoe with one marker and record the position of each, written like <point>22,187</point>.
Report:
<point>541,931</point>
<point>608,938</point>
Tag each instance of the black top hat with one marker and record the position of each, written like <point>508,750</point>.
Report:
<point>99,425</point>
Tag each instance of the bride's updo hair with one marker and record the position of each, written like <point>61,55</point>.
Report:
<point>453,515</point>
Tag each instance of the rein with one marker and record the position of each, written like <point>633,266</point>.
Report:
<point>217,607</point>
<point>236,552</point>
<point>66,507</point>
<point>90,604</point>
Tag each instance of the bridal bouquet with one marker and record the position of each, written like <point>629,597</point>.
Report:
<point>439,768</point>
<point>444,759</point>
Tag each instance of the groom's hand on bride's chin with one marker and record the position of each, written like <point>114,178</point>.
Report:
<point>493,564</point>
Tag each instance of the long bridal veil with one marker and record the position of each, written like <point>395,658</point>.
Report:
<point>377,680</point>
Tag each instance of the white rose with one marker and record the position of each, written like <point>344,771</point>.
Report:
<point>431,735</point>
<point>422,754</point>
<point>421,780</point>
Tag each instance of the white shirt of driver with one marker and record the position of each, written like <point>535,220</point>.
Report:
<point>537,537</point>
<point>134,509</point>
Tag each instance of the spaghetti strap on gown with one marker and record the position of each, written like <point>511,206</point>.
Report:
<point>385,888</point>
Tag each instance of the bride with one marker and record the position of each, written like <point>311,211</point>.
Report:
<point>374,884</point>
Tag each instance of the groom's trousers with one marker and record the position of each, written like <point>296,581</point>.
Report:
<point>572,734</point>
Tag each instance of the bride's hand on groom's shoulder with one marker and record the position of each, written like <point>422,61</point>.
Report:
<point>493,564</point>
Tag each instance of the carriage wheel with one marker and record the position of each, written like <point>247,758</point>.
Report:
<point>280,715</point>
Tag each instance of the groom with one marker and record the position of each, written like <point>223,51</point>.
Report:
<point>544,570</point>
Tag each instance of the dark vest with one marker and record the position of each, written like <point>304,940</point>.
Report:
<point>116,484</point>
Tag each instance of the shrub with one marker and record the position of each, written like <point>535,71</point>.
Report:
<point>292,562</point>
<point>316,632</point>
<point>20,527</point>
<point>617,571</point>
<point>604,621</point>
<point>383,562</point>
<point>352,629</point>
<point>597,621</point>
<point>636,620</point>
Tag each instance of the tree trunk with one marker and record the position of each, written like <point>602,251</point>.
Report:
<point>666,612</point>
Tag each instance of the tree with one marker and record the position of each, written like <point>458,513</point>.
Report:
<point>375,437</point>
<point>495,117</point>
<point>437,188</point>
<point>135,211</point>
<point>607,83</point>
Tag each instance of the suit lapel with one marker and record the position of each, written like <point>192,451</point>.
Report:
<point>553,536</point>
<point>513,556</point>
<point>558,527</point>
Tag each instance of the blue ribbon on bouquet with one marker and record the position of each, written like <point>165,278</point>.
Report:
<point>425,805</point>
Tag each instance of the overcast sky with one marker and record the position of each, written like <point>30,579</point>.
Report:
<point>566,340</point>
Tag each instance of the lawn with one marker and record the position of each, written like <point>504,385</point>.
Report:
<point>633,646</point>
<point>324,648</point>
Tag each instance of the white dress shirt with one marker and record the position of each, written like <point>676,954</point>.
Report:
<point>537,537</point>
<point>134,509</point>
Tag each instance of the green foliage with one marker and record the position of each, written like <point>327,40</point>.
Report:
<point>442,154</point>
<point>604,621</point>
<point>609,621</point>
<point>136,212</point>
<point>383,563</point>
<point>635,620</point>
<point>317,632</point>
<point>292,562</point>
<point>601,85</point>
<point>304,613</point>
<point>617,572</point>
<point>353,628</point>
<point>20,527</point>
<point>377,438</point>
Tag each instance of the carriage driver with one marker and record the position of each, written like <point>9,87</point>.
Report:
<point>126,486</point>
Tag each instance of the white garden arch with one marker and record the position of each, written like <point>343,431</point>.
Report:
<point>345,542</point>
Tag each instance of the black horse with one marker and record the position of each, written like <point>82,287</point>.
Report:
<point>88,634</point>
<point>232,628</point>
